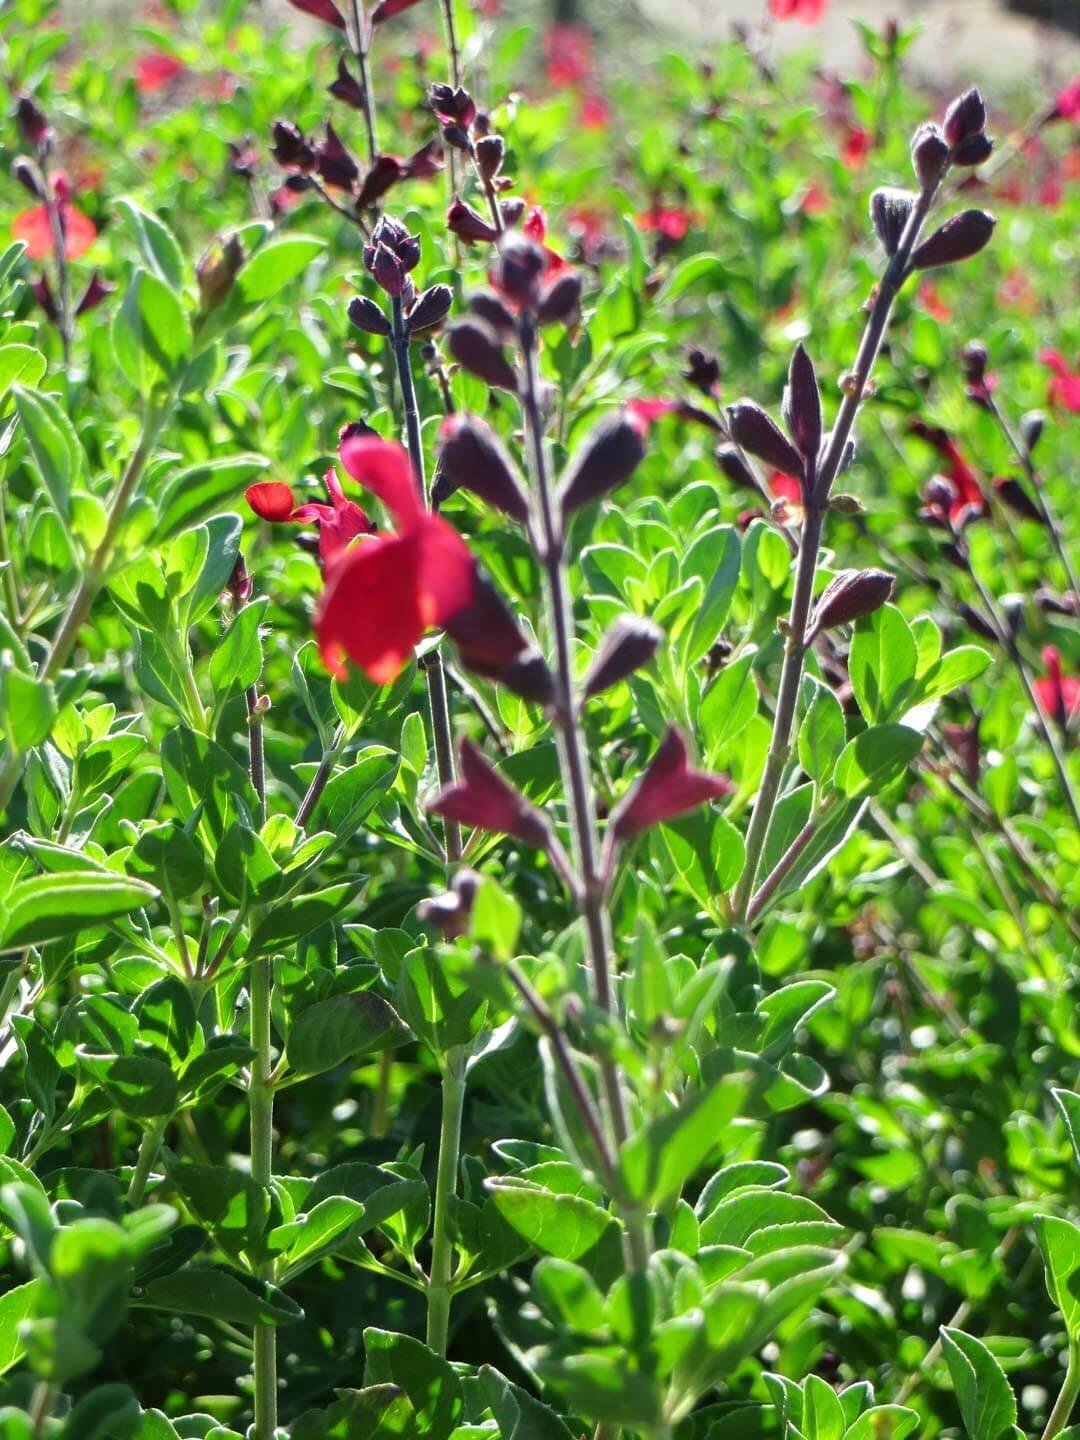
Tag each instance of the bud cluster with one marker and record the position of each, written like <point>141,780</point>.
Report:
<point>390,255</point>
<point>310,161</point>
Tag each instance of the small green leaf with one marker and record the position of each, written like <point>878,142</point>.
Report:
<point>56,448</point>
<point>46,907</point>
<point>658,1161</point>
<point>1059,1241</point>
<point>714,559</point>
<point>985,1396</point>
<point>275,264</point>
<point>16,1305</point>
<point>495,920</point>
<point>29,710</point>
<point>151,333</point>
<point>219,1295</point>
<point>882,664</point>
<point>155,242</point>
<point>19,365</point>
<point>426,1378</point>
<point>332,1031</point>
<point>567,1226</point>
<point>822,735</point>
<point>875,758</point>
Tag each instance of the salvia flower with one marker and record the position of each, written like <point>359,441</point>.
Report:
<point>387,9</point>
<point>604,460</point>
<point>809,12</point>
<point>1065,383</point>
<point>32,123</point>
<point>34,227</point>
<point>484,800</point>
<point>339,523</point>
<point>490,642</point>
<point>669,788</point>
<point>387,590</point>
<point>1058,694</point>
<point>849,596</point>
<point>1067,104</point>
<point>967,500</point>
<point>156,71</point>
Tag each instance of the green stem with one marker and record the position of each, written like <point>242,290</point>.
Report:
<point>1067,1395</point>
<point>149,1147</point>
<point>261,1102</point>
<point>41,1407</point>
<point>440,1292</point>
<point>11,583</point>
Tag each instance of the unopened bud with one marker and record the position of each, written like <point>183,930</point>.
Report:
<point>753,429</point>
<point>1011,493</point>
<point>216,271</point>
<point>31,122</point>
<point>851,595</point>
<point>843,504</point>
<point>607,457</point>
<point>1032,426</point>
<point>960,238</point>
<point>889,211</point>
<point>929,154</point>
<point>489,155</point>
<point>472,457</point>
<point>977,622</point>
<point>966,116</point>
<point>528,676</point>
<point>802,407</point>
<point>449,912</point>
<point>630,642</point>
<point>702,370</point>
<point>431,309</point>
<point>27,174</point>
<point>366,315</point>
<point>475,346</point>
<point>519,270</point>
<point>734,465</point>
<point>492,310</point>
<point>560,302</point>
<point>468,224</point>
<point>975,150</point>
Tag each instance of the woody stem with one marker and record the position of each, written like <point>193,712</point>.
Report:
<point>438,700</point>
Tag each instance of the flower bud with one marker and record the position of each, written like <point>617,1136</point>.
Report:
<point>346,87</point>
<point>977,622</point>
<point>240,584</point>
<point>512,211</point>
<point>608,456</point>
<point>702,370</point>
<point>889,211</point>
<point>966,116</point>
<point>482,798</point>
<point>468,224</point>
<point>802,406</point>
<point>486,635</point>
<point>290,148</point>
<point>734,465</point>
<point>752,429</point>
<point>519,270</point>
<point>366,315</point>
<point>216,271</point>
<point>452,105</point>
<point>630,642</point>
<point>492,310</point>
<point>472,457</point>
<point>975,150</point>
<point>27,174</point>
<point>334,163</point>
<point>528,676</point>
<point>450,912</point>
<point>929,154</point>
<point>475,346</point>
<point>387,270</point>
<point>431,309</point>
<point>851,595</point>
<point>960,238</point>
<point>31,123</point>
<point>1011,493</point>
<point>490,152</point>
<point>560,302</point>
<point>1031,428</point>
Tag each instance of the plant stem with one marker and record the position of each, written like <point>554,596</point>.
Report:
<point>358,37</point>
<point>576,779</point>
<point>93,578</point>
<point>438,701</point>
<point>11,583</point>
<point>320,778</point>
<point>1067,1395</point>
<point>149,1147</point>
<point>1045,727</point>
<point>818,488</point>
<point>41,1407</point>
<point>65,319</point>
<point>256,753</point>
<point>439,1291</point>
<point>783,867</point>
<point>261,1105</point>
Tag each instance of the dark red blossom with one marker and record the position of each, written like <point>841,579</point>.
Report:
<point>669,787</point>
<point>1058,694</point>
<point>1067,104</point>
<point>34,227</point>
<point>1065,384</point>
<point>385,591</point>
<point>568,55</point>
<point>483,799</point>
<point>339,523</point>
<point>156,71</point>
<point>321,10</point>
<point>809,12</point>
<point>387,9</point>
<point>968,500</point>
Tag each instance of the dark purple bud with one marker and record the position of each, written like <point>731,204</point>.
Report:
<point>976,621</point>
<point>1011,493</point>
<point>336,166</point>
<point>492,310</point>
<point>482,798</point>
<point>1053,604</point>
<point>431,309</point>
<point>468,224</point>
<point>560,302</point>
<point>975,150</point>
<point>630,642</point>
<point>929,154</point>
<point>27,174</point>
<point>528,675</point>
<point>752,429</point>
<point>976,357</point>
<point>702,370</point>
<point>966,116</point>
<point>290,148</point>
<point>31,122</point>
<point>425,162</point>
<point>356,430</point>
<point>475,346</point>
<point>486,635</point>
<point>472,457</point>
<point>385,172</point>
<point>243,158</point>
<point>240,584</point>
<point>960,238</point>
<point>450,912</point>
<point>519,270</point>
<point>1032,426</point>
<point>489,155</point>
<point>322,10</point>
<point>366,315</point>
<point>734,465</point>
<point>607,457</point>
<point>457,137</point>
<point>346,87</point>
<point>452,106</point>
<point>889,210</point>
<point>802,406</point>
<point>387,270</point>
<point>512,211</point>
<point>44,296</point>
<point>851,595</point>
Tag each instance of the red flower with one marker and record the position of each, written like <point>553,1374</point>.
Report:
<point>857,145</point>
<point>968,500</point>
<point>1065,386</point>
<point>482,798</point>
<point>668,788</point>
<point>383,593</point>
<point>808,11</point>
<point>1058,694</point>
<point>594,113</point>
<point>1067,105</point>
<point>33,226</point>
<point>670,221</point>
<point>933,303</point>
<point>568,55</point>
<point>339,523</point>
<point>785,487</point>
<point>156,71</point>
<point>815,201</point>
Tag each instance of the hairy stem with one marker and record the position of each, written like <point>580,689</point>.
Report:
<point>818,488</point>
<point>261,1109</point>
<point>320,778</point>
<point>438,700</point>
<point>359,37</point>
<point>439,1291</point>
<point>576,779</point>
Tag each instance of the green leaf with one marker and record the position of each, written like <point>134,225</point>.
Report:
<point>155,242</point>
<point>110,1412</point>
<point>984,1394</point>
<point>198,491</point>
<point>237,661</point>
<point>823,1415</point>
<point>823,733</point>
<point>274,265</point>
<point>141,1086</point>
<point>875,758</point>
<point>19,365</point>
<point>302,915</point>
<point>426,1378</point>
<point>29,710</point>
<point>658,1161</point>
<point>378,1412</point>
<point>151,333</point>
<point>1068,1102</point>
<point>1059,1241</point>
<point>567,1226</point>
<point>729,704</point>
<point>956,668</point>
<point>519,1415</point>
<point>895,1421</point>
<point>233,1206</point>
<point>332,1031</point>
<point>219,1295</point>
<point>47,907</point>
<point>56,448</point>
<point>324,1227</point>
<point>882,664</point>
<point>715,559</point>
<point>495,920</point>
<point>16,1305</point>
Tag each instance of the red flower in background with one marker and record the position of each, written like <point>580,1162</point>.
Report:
<point>33,226</point>
<point>931,300</point>
<point>1058,694</point>
<point>967,499</point>
<point>1065,385</point>
<point>339,523</point>
<point>808,11</point>
<point>1067,105</point>
<point>594,113</point>
<point>857,145</point>
<point>671,222</point>
<point>567,55</point>
<point>384,592</point>
<point>156,71</point>
<point>669,787</point>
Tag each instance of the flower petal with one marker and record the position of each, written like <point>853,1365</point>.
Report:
<point>384,469</point>
<point>33,227</point>
<point>370,609</point>
<point>271,500</point>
